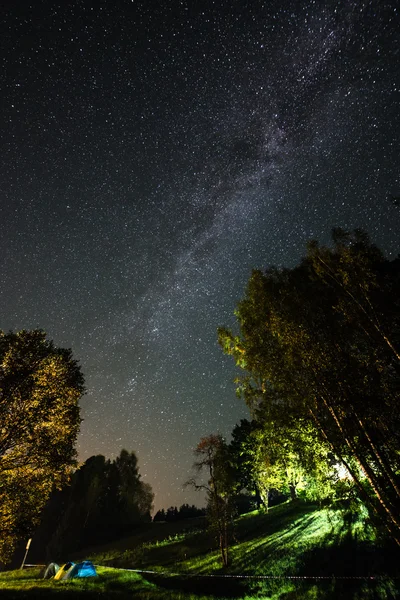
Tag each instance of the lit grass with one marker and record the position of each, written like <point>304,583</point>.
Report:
<point>296,551</point>
<point>334,553</point>
<point>110,583</point>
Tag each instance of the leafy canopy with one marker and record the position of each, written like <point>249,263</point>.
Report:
<point>319,344</point>
<point>40,387</point>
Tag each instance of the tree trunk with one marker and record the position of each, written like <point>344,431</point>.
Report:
<point>364,496</point>
<point>380,459</point>
<point>388,515</point>
<point>223,542</point>
<point>293,493</point>
<point>259,500</point>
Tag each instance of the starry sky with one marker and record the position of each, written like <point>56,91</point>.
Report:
<point>152,154</point>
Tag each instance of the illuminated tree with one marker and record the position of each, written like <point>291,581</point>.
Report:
<point>40,387</point>
<point>242,450</point>
<point>290,458</point>
<point>321,343</point>
<point>275,453</point>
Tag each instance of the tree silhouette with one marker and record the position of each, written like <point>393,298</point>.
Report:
<point>211,455</point>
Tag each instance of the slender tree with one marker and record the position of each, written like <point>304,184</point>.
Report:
<point>211,455</point>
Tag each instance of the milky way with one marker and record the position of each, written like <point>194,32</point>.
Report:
<point>152,155</point>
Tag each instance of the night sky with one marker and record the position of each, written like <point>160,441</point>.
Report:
<point>152,154</point>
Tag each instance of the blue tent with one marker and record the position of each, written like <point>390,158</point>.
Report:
<point>83,569</point>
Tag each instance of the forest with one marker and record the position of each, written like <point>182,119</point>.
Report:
<point>317,351</point>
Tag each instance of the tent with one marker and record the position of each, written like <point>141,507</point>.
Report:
<point>83,569</point>
<point>51,570</point>
<point>63,571</point>
<point>71,570</point>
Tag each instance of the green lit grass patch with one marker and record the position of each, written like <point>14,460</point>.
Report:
<point>111,583</point>
<point>294,551</point>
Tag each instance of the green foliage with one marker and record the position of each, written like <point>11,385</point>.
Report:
<point>242,451</point>
<point>319,345</point>
<point>40,387</point>
<point>272,453</point>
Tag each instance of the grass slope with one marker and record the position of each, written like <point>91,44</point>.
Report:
<point>305,552</point>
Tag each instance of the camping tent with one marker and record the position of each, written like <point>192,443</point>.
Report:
<point>51,570</point>
<point>71,570</point>
<point>63,571</point>
<point>83,569</point>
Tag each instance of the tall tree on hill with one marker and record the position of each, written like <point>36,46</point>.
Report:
<point>212,459</point>
<point>324,338</point>
<point>145,499</point>
<point>40,387</point>
<point>242,450</point>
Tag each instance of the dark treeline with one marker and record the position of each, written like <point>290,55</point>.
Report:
<point>104,500</point>
<point>173,514</point>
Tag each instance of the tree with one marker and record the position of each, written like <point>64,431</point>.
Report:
<point>145,499</point>
<point>79,508</point>
<point>40,387</point>
<point>321,342</point>
<point>103,499</point>
<point>290,458</point>
<point>135,497</point>
<point>212,458</point>
<point>159,516</point>
<point>273,454</point>
<point>172,514</point>
<point>241,449</point>
<point>190,512</point>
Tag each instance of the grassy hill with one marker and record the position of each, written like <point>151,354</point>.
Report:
<point>295,551</point>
